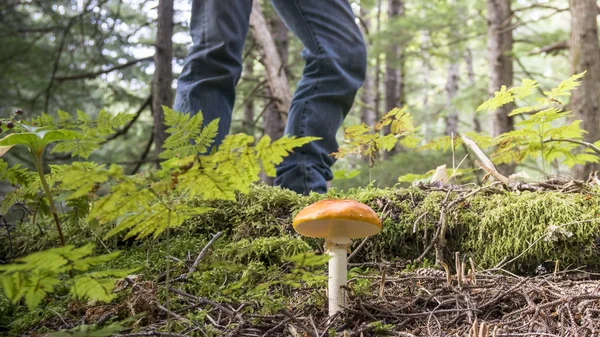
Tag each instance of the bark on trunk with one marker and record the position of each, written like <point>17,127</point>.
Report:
<point>426,72</point>
<point>276,75</point>
<point>367,112</point>
<point>377,84</point>
<point>274,119</point>
<point>499,45</point>
<point>273,38</point>
<point>248,120</point>
<point>162,93</point>
<point>585,56</point>
<point>453,77</point>
<point>473,84</point>
<point>393,72</point>
<point>451,91</point>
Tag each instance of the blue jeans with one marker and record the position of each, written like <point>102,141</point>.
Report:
<point>335,55</point>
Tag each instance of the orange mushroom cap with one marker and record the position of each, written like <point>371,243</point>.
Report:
<point>337,219</point>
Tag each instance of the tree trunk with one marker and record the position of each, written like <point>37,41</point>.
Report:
<point>473,84</point>
<point>393,71</point>
<point>273,38</point>
<point>162,92</point>
<point>451,91</point>
<point>453,76</point>
<point>367,113</point>
<point>248,120</point>
<point>585,56</point>
<point>499,45</point>
<point>426,72</point>
<point>276,75</point>
<point>274,119</point>
<point>377,70</point>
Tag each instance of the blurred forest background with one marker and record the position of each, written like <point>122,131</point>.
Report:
<point>441,58</point>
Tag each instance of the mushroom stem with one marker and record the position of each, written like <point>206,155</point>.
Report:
<point>338,276</point>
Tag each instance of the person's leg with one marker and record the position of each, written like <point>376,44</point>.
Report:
<point>214,63</point>
<point>335,69</point>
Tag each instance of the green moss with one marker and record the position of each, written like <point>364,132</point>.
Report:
<point>258,237</point>
<point>506,225</point>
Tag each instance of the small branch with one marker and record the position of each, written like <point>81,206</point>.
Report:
<point>133,120</point>
<point>358,248</point>
<point>586,144</point>
<point>551,49</point>
<point>98,73</point>
<point>203,252</point>
<point>290,316</point>
<point>144,155</point>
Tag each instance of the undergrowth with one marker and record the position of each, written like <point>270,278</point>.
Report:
<point>110,225</point>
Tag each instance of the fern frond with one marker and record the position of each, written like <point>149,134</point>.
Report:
<point>400,121</point>
<point>97,285</point>
<point>80,178</point>
<point>272,154</point>
<point>187,135</point>
<point>36,275</point>
<point>85,330</point>
<point>565,87</point>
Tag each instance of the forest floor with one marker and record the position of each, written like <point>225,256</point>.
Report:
<point>523,262</point>
<point>420,303</point>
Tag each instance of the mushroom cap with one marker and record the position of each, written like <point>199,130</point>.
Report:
<point>331,219</point>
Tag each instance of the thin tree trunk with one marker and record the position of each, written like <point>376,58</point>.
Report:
<point>273,38</point>
<point>274,119</point>
<point>451,91</point>
<point>500,43</point>
<point>393,71</point>
<point>585,56</point>
<point>473,84</point>
<point>248,119</point>
<point>367,113</point>
<point>453,78</point>
<point>162,92</point>
<point>426,71</point>
<point>276,75</point>
<point>377,84</point>
<point>367,110</point>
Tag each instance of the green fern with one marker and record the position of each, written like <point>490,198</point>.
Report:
<point>93,133</point>
<point>369,141</point>
<point>36,275</point>
<point>272,154</point>
<point>565,87</point>
<point>187,135</point>
<point>506,96</point>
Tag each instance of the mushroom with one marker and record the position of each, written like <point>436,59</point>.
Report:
<point>338,222</point>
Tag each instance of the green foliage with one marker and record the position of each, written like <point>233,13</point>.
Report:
<point>34,276</point>
<point>545,131</point>
<point>85,330</point>
<point>538,135</point>
<point>89,331</point>
<point>91,133</point>
<point>187,136</point>
<point>36,139</point>
<point>369,141</point>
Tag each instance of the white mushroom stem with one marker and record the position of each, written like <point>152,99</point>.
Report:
<point>338,276</point>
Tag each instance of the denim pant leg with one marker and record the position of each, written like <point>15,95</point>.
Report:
<point>213,66</point>
<point>335,55</point>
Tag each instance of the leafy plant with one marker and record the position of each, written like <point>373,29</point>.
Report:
<point>37,138</point>
<point>544,132</point>
<point>34,276</point>
<point>538,135</point>
<point>369,141</point>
